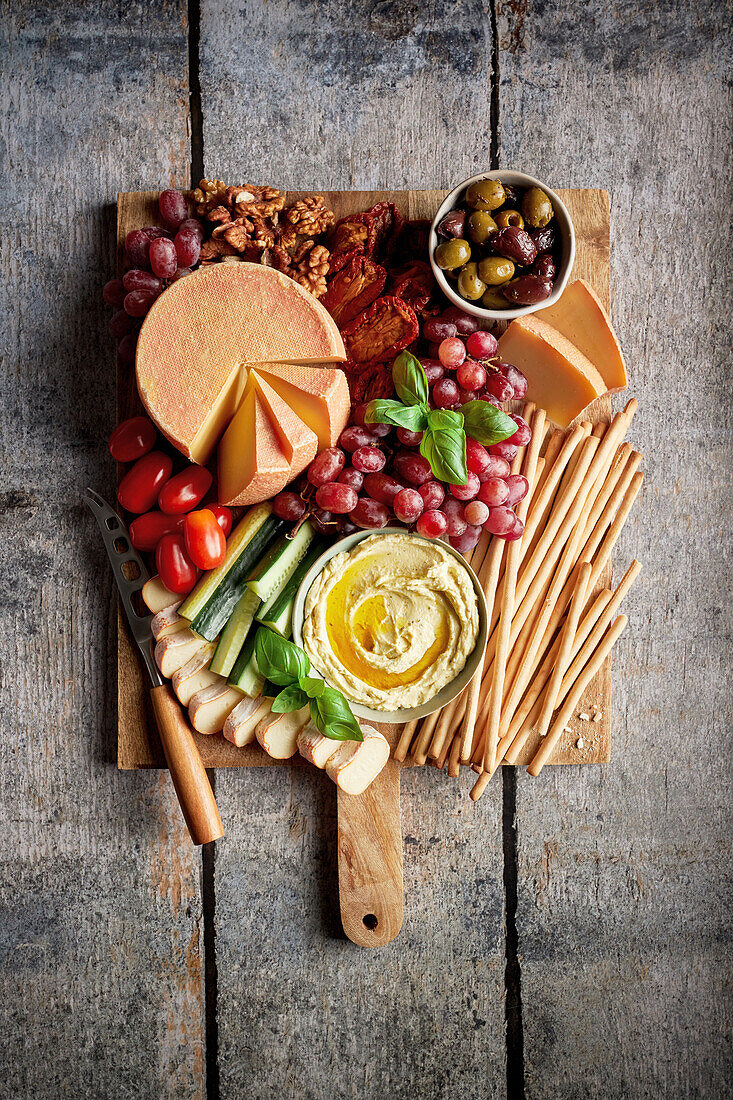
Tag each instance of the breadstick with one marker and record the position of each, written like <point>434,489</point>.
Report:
<point>405,740</point>
<point>495,556</point>
<point>453,763</point>
<point>567,638</point>
<point>420,747</point>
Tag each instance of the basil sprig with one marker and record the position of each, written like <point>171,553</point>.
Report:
<point>287,666</point>
<point>444,430</point>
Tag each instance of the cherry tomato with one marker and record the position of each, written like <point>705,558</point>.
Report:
<point>140,486</point>
<point>132,439</point>
<point>223,517</point>
<point>185,490</point>
<point>205,539</point>
<point>177,571</point>
<point>147,531</point>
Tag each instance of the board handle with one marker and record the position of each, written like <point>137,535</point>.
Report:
<point>370,860</point>
<point>188,773</point>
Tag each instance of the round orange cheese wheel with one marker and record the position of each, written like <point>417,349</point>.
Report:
<point>196,341</point>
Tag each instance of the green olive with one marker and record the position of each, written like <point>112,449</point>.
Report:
<point>496,270</point>
<point>453,253</point>
<point>504,218</point>
<point>486,195</point>
<point>494,299</point>
<point>537,208</point>
<point>469,284</point>
<point>480,226</point>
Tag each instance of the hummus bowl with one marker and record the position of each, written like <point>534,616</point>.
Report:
<point>452,642</point>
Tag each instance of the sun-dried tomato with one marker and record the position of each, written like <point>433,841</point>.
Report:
<point>411,242</point>
<point>381,331</point>
<point>370,382</point>
<point>388,223</point>
<point>354,235</point>
<point>353,288</point>
<point>414,283</point>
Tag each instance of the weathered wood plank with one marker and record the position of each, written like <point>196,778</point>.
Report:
<point>100,909</point>
<point>621,915</point>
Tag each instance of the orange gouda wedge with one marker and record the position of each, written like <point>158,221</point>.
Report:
<point>579,315</point>
<point>319,396</point>
<point>252,463</point>
<point>561,379</point>
<point>202,330</point>
<point>296,439</point>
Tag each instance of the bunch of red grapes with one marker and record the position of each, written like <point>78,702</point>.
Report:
<point>376,475</point>
<point>159,257</point>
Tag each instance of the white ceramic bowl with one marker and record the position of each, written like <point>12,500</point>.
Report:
<point>567,238</point>
<point>451,690</point>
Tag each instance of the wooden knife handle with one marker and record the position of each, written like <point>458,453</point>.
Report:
<point>370,860</point>
<point>187,770</point>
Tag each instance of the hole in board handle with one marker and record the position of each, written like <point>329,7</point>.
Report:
<point>371,921</point>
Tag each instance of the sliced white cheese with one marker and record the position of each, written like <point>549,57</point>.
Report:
<point>168,621</point>
<point>171,653</point>
<point>156,596</point>
<point>195,674</point>
<point>356,764</point>
<point>239,727</point>
<point>278,733</point>
<point>314,747</point>
<point>210,707</point>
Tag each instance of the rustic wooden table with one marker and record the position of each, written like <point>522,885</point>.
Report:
<point>566,937</point>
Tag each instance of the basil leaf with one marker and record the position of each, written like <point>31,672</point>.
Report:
<point>444,418</point>
<point>445,450</point>
<point>289,699</point>
<point>387,411</point>
<point>409,379</point>
<point>279,660</point>
<point>332,715</point>
<point>313,687</point>
<point>487,424</point>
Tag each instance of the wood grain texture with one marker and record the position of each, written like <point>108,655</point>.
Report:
<point>100,905</point>
<point>622,896</point>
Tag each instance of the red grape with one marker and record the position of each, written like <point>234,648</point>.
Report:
<point>454,517</point>
<point>121,323</point>
<point>345,526</point>
<point>181,273</point>
<point>408,438</point>
<point>467,491</point>
<point>476,513</point>
<point>326,466</point>
<point>194,225</point>
<point>289,506</point>
<point>434,372</point>
<point>408,505</point>
<point>113,292</point>
<point>322,519</point>
<point>337,498</point>
<point>412,467</point>
<point>517,530</point>
<point>477,457</point>
<point>499,386</point>
<point>498,467</point>
<point>432,493</point>
<point>466,323</point>
<point>172,207</point>
<point>137,279</point>
<point>491,400</point>
<point>482,345</point>
<point>445,393</point>
<point>368,460</point>
<point>504,450</point>
<point>466,541</point>
<point>523,433</point>
<point>187,244</point>
<point>380,430</point>
<point>352,478</point>
<point>470,375</point>
<point>137,243</point>
<point>518,487</point>
<point>493,492</point>
<point>432,524</point>
<point>138,302</point>
<point>518,380</point>
<point>500,521</point>
<point>436,330</point>
<point>382,487</point>
<point>369,513</point>
<point>127,347</point>
<point>163,257</point>
<point>358,413</point>
<point>353,438</point>
<point>452,352</point>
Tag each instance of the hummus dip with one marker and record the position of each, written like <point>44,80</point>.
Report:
<point>392,621</point>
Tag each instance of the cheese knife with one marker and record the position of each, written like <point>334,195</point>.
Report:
<point>189,776</point>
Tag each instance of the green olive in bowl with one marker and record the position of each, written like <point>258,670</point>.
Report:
<point>486,195</point>
<point>469,284</point>
<point>537,208</point>
<point>504,218</point>
<point>495,270</point>
<point>452,254</point>
<point>480,226</point>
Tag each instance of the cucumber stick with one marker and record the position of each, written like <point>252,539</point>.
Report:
<point>234,633</point>
<point>280,562</point>
<point>245,674</point>
<point>213,616</point>
<point>237,543</point>
<point>277,614</point>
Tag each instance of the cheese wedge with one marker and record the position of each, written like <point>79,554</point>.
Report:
<point>171,653</point>
<point>209,708</point>
<point>319,396</point>
<point>315,748</point>
<point>297,440</point>
<point>196,339</point>
<point>579,315</point>
<point>561,379</point>
<point>156,596</point>
<point>195,675</point>
<point>168,621</point>
<point>239,727</point>
<point>358,763</point>
<point>278,733</point>
<point>252,464</point>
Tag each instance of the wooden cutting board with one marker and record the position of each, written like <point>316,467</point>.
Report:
<point>369,833</point>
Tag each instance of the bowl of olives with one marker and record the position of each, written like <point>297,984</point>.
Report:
<point>501,245</point>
